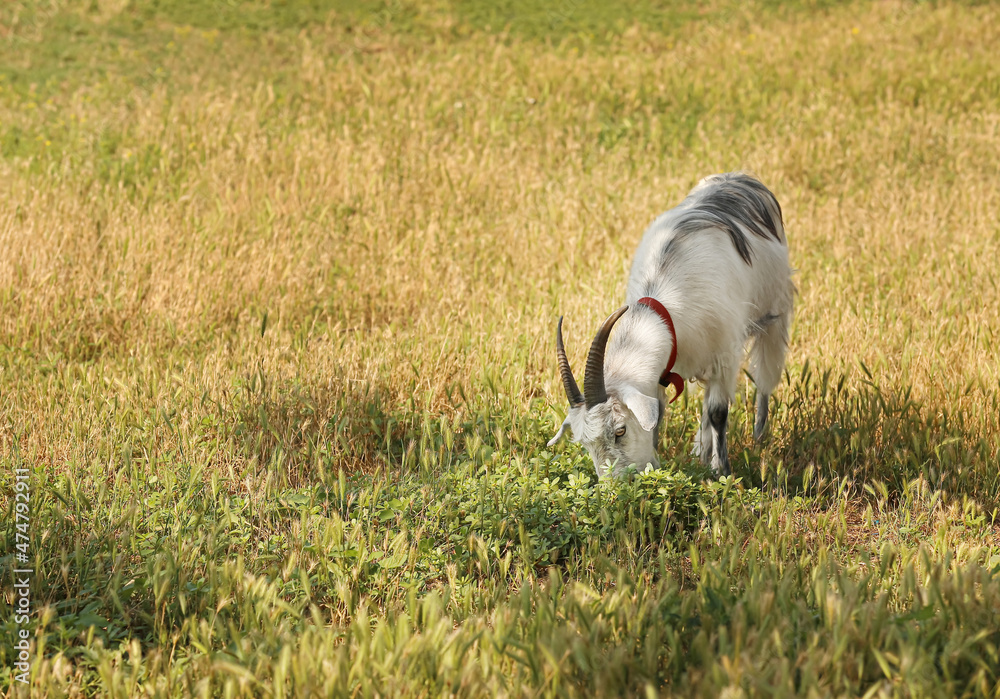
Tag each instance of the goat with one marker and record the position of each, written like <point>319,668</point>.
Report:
<point>708,276</point>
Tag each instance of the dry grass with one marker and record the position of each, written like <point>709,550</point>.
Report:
<point>417,194</point>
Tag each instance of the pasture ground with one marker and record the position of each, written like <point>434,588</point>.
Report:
<point>278,291</point>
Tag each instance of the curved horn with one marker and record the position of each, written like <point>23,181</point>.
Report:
<point>569,383</point>
<point>594,390</point>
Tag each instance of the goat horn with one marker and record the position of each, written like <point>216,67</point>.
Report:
<point>569,383</point>
<point>595,392</point>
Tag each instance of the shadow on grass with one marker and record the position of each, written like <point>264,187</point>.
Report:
<point>313,431</point>
<point>310,430</point>
<point>856,429</point>
<point>822,428</point>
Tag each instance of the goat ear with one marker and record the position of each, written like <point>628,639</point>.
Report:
<point>560,433</point>
<point>645,409</point>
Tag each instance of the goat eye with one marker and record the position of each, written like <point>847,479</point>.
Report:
<point>620,431</point>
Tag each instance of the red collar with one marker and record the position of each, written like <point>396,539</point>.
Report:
<point>668,377</point>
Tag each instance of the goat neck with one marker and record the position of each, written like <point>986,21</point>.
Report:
<point>639,350</point>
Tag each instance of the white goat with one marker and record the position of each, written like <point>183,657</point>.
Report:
<point>708,275</point>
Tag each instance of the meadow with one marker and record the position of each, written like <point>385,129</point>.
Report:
<point>279,282</point>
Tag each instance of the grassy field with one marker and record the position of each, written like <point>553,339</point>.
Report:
<point>278,292</point>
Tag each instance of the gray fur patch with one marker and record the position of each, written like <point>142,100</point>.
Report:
<point>734,202</point>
